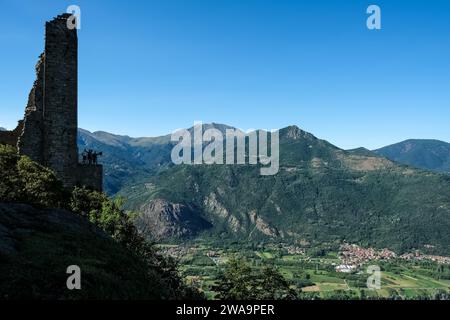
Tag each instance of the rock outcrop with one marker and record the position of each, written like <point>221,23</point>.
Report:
<point>160,219</point>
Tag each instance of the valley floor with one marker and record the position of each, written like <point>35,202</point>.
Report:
<point>319,274</point>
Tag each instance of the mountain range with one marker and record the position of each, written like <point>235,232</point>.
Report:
<point>425,154</point>
<point>321,194</point>
<point>127,159</point>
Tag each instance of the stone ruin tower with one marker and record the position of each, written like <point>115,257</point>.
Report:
<point>48,133</point>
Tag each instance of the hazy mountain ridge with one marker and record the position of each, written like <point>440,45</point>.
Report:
<point>421,153</point>
<point>322,193</point>
<point>126,159</point>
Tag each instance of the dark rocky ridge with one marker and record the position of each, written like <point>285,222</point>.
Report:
<point>20,220</point>
<point>37,246</point>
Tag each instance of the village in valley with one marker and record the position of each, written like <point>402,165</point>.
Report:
<point>354,257</point>
<point>351,256</point>
<point>328,273</point>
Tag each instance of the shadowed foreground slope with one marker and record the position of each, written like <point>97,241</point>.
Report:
<point>37,246</point>
<point>38,242</point>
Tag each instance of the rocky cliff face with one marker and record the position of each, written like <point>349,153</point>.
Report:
<point>160,219</point>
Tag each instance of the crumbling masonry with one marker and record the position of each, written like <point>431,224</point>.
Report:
<point>48,133</point>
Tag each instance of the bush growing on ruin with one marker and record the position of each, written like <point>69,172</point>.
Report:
<point>9,178</point>
<point>23,180</point>
<point>40,184</point>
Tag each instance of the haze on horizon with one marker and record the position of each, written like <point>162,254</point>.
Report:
<point>148,68</point>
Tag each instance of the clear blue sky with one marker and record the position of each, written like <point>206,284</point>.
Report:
<point>149,67</point>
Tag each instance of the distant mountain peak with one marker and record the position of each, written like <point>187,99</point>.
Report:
<point>295,133</point>
<point>426,154</point>
<point>3,129</point>
<point>213,125</point>
<point>361,151</point>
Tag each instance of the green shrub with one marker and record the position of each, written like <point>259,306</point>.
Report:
<point>23,180</point>
<point>108,215</point>
<point>40,184</point>
<point>10,184</point>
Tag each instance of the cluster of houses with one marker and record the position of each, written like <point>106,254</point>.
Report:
<point>294,250</point>
<point>177,251</point>
<point>214,256</point>
<point>354,256</point>
<point>418,256</point>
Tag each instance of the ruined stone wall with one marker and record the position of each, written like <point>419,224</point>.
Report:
<point>60,111</point>
<point>31,140</point>
<point>11,137</point>
<point>48,133</point>
<point>90,176</point>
